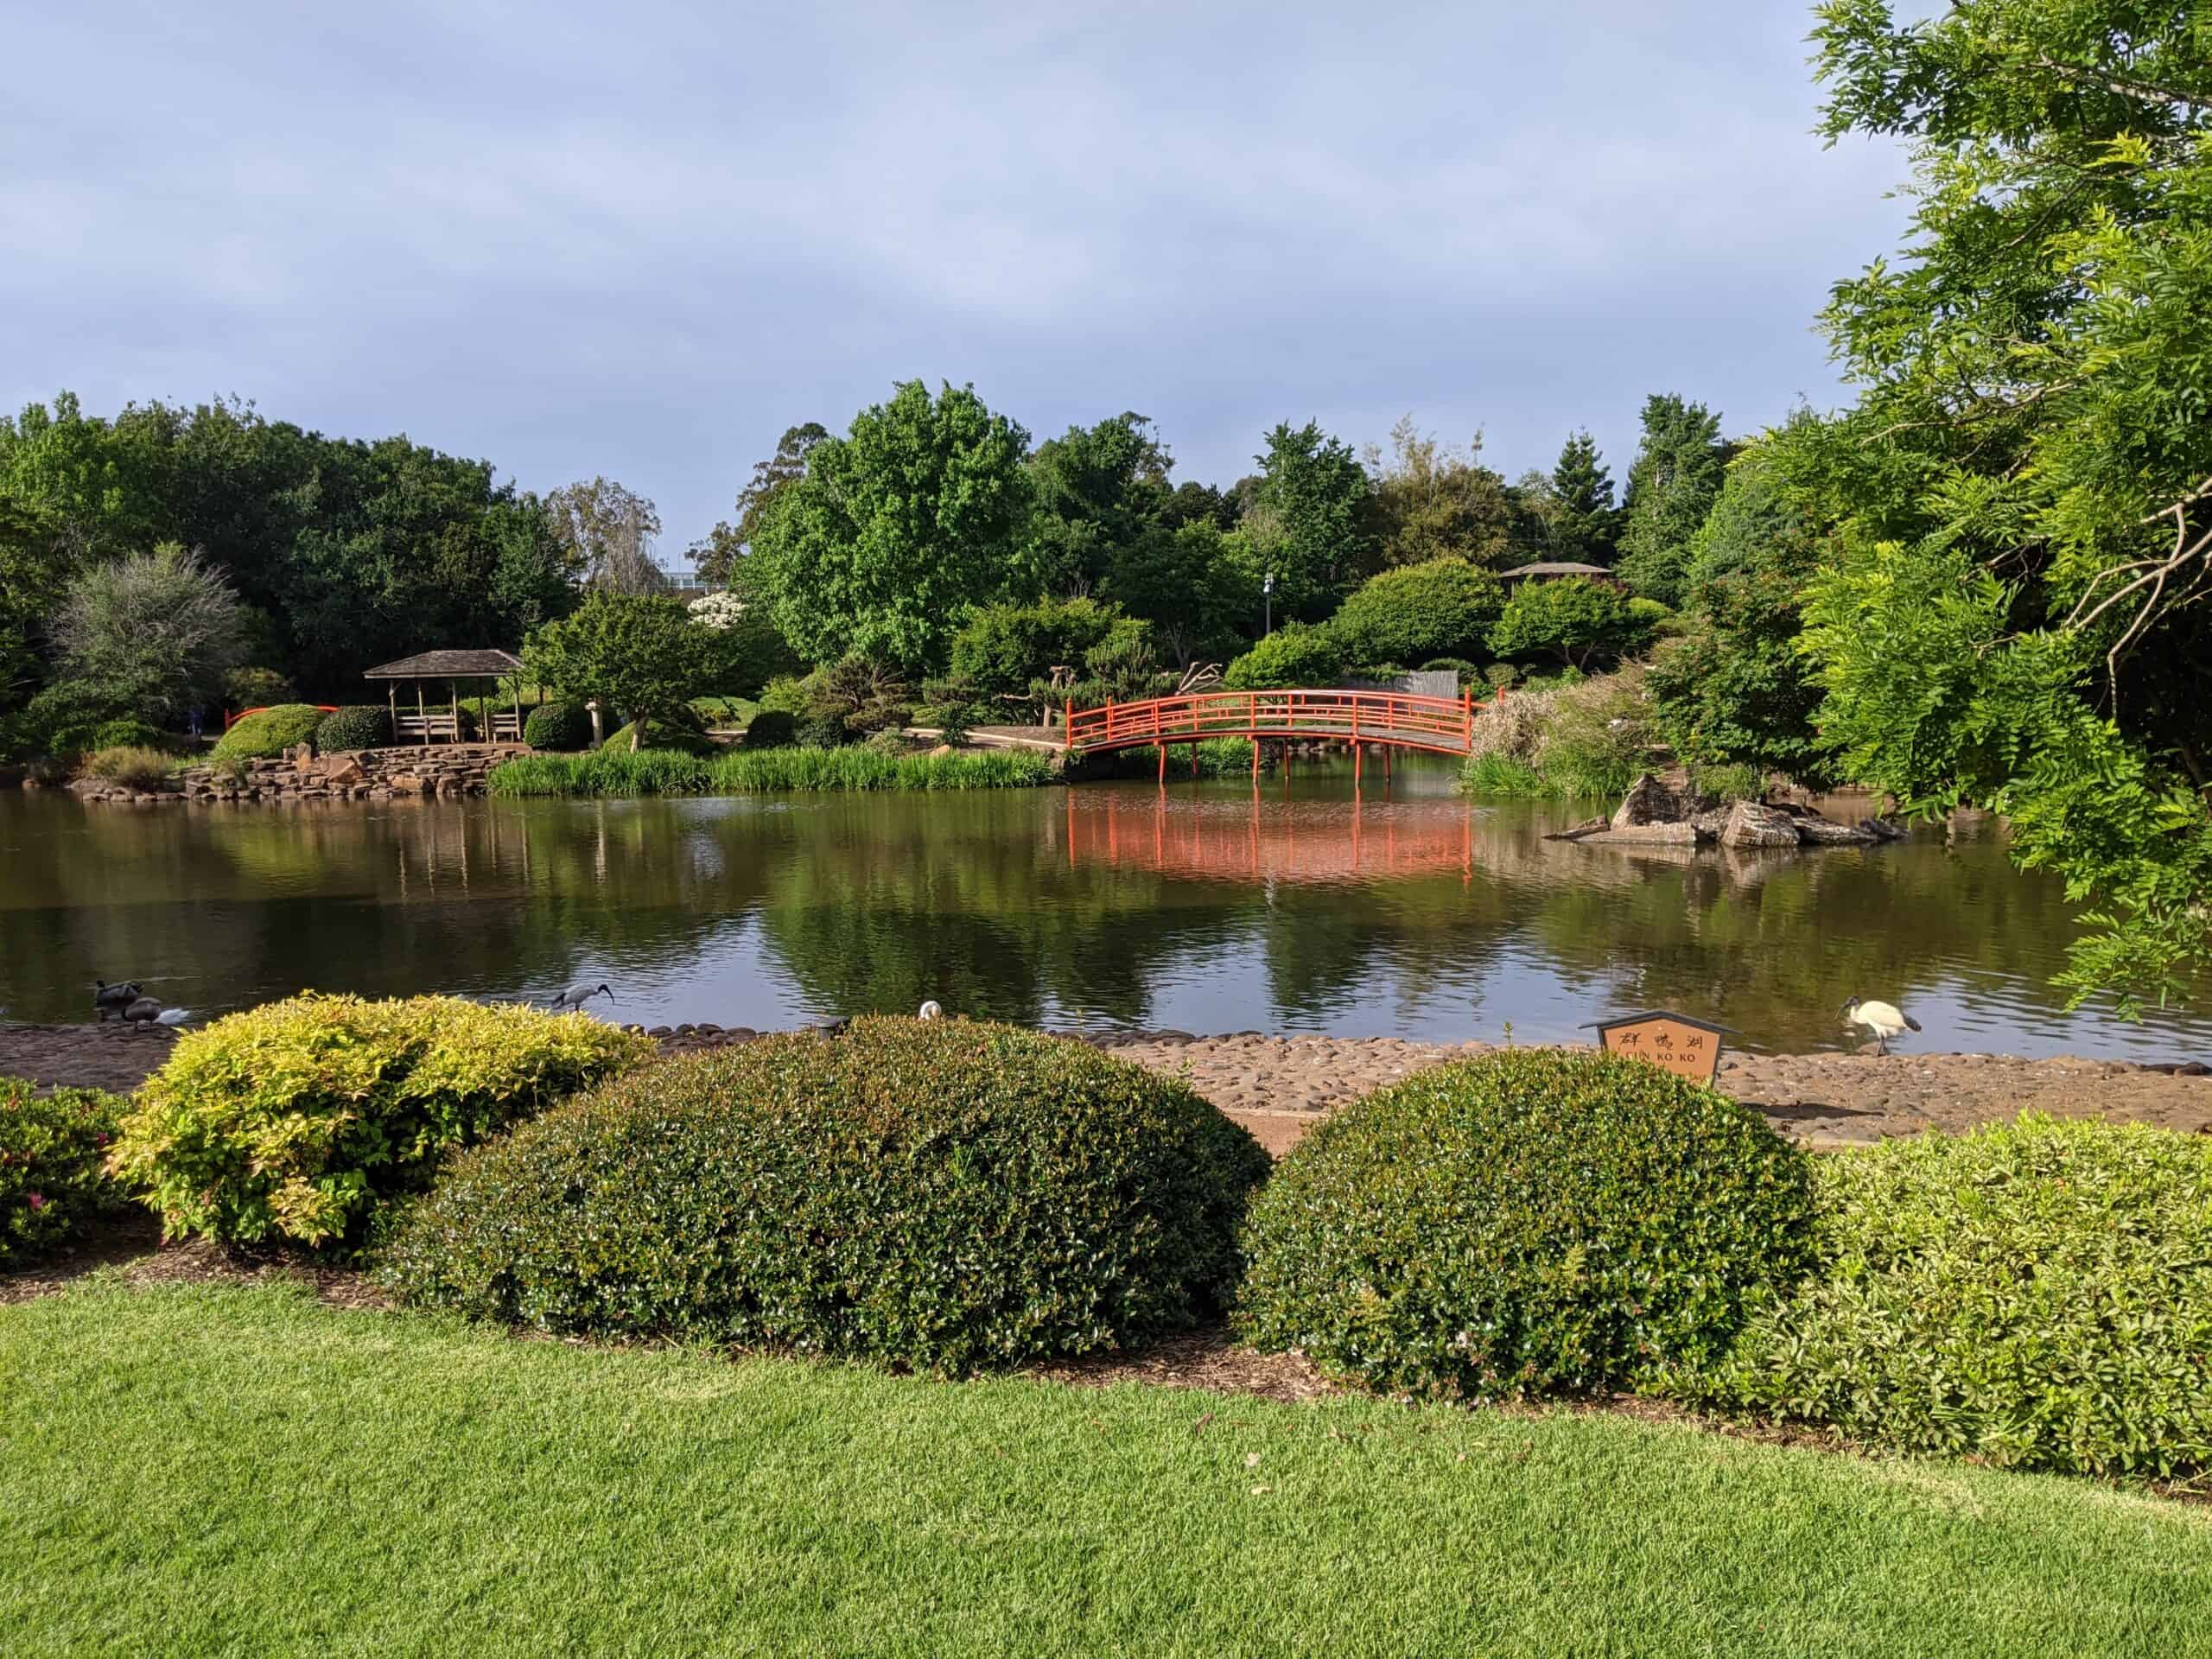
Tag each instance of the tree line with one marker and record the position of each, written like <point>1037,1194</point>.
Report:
<point>1983,581</point>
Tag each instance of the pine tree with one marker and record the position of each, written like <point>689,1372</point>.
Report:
<point>1584,521</point>
<point>1673,484</point>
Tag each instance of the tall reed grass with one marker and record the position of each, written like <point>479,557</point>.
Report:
<point>745,771</point>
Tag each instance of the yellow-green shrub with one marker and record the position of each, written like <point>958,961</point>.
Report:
<point>268,732</point>
<point>297,1118</point>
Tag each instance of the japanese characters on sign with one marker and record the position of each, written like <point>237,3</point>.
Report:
<point>1674,1042</point>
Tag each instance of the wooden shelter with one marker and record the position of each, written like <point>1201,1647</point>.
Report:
<point>432,724</point>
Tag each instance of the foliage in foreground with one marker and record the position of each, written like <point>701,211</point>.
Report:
<point>936,1193</point>
<point>1532,1222</point>
<point>748,770</point>
<point>51,1151</point>
<point>297,1119</point>
<point>2038,1295</point>
<point>2023,495</point>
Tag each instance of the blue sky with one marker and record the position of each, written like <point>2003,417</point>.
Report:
<point>642,240</point>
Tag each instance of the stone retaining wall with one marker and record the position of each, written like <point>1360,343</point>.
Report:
<point>410,770</point>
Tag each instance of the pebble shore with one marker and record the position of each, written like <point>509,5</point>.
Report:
<point>1278,1086</point>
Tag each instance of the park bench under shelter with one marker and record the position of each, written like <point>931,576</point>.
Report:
<point>430,723</point>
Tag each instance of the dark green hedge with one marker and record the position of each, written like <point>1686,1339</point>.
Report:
<point>941,1194</point>
<point>2036,1295</point>
<point>558,727</point>
<point>1532,1222</point>
<point>771,729</point>
<point>359,726</point>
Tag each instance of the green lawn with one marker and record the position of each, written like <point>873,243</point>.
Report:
<point>222,1470</point>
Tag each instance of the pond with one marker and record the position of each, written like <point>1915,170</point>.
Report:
<point>1206,908</point>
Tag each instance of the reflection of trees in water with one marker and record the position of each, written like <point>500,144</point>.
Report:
<point>984,902</point>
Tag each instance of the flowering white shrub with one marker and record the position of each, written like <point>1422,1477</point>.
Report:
<point>720,612</point>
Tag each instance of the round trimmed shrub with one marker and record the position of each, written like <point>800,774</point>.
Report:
<point>940,1194</point>
<point>1441,608</point>
<point>822,731</point>
<point>270,732</point>
<point>298,1118</point>
<point>771,729</point>
<point>1293,656</point>
<point>1532,1222</point>
<point>357,725</point>
<point>558,727</point>
<point>2037,1294</point>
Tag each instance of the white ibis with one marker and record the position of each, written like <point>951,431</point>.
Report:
<point>576,995</point>
<point>930,1011</point>
<point>1885,1020</point>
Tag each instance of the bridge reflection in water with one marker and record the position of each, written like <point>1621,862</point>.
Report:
<point>1245,839</point>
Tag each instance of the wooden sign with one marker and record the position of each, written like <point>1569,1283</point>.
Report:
<point>1674,1042</point>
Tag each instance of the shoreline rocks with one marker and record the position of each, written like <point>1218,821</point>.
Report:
<point>1654,813</point>
<point>409,771</point>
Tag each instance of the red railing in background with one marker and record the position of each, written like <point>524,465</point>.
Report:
<point>231,720</point>
<point>1390,719</point>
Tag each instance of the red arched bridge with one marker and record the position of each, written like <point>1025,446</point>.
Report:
<point>1383,720</point>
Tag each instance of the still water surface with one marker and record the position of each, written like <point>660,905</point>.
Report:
<point>1208,909</point>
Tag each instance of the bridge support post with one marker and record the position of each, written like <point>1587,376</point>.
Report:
<point>1355,755</point>
<point>1161,748</point>
<point>1194,757</point>
<point>1256,763</point>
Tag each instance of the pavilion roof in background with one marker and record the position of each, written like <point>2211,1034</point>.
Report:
<point>1553,567</point>
<point>449,665</point>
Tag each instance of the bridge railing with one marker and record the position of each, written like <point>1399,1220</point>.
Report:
<point>1391,717</point>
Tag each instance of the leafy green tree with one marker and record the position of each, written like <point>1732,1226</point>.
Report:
<point>898,528</point>
<point>1001,648</point>
<point>1582,521</point>
<point>1573,618</point>
<point>156,633</point>
<point>1432,502</point>
<point>350,553</point>
<point>720,555</point>
<point>1198,585</point>
<point>2024,494</point>
<point>1098,489</point>
<point>1735,690</point>
<point>32,567</point>
<point>1444,607</point>
<point>1309,520</point>
<point>608,532</point>
<point>640,653</point>
<point>1672,486</point>
<point>1294,656</point>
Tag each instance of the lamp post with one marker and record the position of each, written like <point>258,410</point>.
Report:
<point>1268,599</point>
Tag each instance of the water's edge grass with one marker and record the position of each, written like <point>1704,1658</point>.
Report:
<point>670,772</point>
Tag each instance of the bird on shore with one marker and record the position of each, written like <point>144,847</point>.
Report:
<point>110,1000</point>
<point>576,995</point>
<point>1885,1020</point>
<point>146,1011</point>
<point>930,1011</point>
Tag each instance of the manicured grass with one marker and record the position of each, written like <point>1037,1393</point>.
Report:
<point>202,1470</point>
<point>665,772</point>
